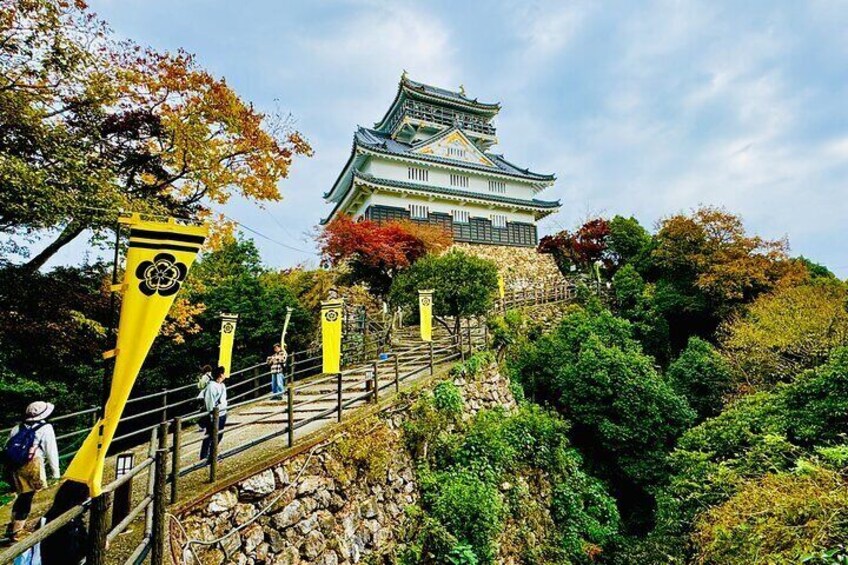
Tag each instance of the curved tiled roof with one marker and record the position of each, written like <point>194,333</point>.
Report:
<point>534,203</point>
<point>548,206</point>
<point>448,95</point>
<point>382,143</point>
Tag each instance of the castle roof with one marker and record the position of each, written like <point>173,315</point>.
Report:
<point>544,207</point>
<point>382,143</point>
<point>410,89</point>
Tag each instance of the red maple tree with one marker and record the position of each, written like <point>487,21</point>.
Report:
<point>374,253</point>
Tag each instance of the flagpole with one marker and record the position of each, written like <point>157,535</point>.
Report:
<point>110,325</point>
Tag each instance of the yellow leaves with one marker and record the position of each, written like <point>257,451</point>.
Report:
<point>221,230</point>
<point>775,520</point>
<point>181,320</point>
<point>214,143</point>
<point>787,331</point>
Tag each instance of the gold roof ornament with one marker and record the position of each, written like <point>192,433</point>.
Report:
<point>462,89</point>
<point>404,75</point>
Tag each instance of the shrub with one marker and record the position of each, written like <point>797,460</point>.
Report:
<point>471,367</point>
<point>469,508</point>
<point>427,432</point>
<point>368,446</point>
<point>447,398</point>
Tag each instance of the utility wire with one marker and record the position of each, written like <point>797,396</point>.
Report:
<point>272,240</point>
<point>241,224</point>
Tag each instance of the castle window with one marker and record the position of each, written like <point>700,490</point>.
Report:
<point>418,211</point>
<point>457,152</point>
<point>416,173</point>
<point>460,181</point>
<point>498,220</point>
<point>498,186</point>
<point>460,216</point>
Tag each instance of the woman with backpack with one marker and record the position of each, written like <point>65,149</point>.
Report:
<point>30,450</point>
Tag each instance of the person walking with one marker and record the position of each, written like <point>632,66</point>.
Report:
<point>214,396</point>
<point>30,450</point>
<point>277,361</point>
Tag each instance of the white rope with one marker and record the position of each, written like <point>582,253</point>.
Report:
<point>190,542</point>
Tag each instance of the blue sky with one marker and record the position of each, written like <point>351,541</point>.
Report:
<point>642,108</point>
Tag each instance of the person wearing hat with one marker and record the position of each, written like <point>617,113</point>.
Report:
<point>33,445</point>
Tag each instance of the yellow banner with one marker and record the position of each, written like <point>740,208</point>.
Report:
<point>158,259</point>
<point>425,309</point>
<point>331,335</point>
<point>501,286</point>
<point>228,334</point>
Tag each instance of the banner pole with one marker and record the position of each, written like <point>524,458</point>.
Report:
<point>110,323</point>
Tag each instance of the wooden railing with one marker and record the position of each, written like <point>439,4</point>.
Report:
<point>163,467</point>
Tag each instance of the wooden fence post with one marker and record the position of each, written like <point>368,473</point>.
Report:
<point>459,342</point>
<point>486,334</point>
<point>164,405</point>
<point>376,382</point>
<point>291,368</point>
<point>157,542</point>
<point>256,392</point>
<point>468,333</point>
<point>339,395</point>
<point>290,414</point>
<point>175,462</point>
<point>397,373</point>
<point>98,529</point>
<point>431,358</point>
<point>213,445</point>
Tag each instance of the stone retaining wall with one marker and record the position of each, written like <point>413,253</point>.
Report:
<point>327,509</point>
<point>521,267</point>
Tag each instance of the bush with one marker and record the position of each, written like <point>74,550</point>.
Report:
<point>469,508</point>
<point>368,446</point>
<point>472,366</point>
<point>447,398</point>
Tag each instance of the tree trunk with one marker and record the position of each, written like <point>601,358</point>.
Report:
<point>68,234</point>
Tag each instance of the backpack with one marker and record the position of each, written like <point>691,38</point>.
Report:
<point>21,447</point>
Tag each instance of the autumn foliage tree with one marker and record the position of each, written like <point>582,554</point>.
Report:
<point>373,253</point>
<point>90,125</point>
<point>711,251</point>
<point>580,249</point>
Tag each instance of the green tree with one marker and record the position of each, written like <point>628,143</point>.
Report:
<point>625,417</point>
<point>464,285</point>
<point>702,376</point>
<point>635,301</point>
<point>628,241</point>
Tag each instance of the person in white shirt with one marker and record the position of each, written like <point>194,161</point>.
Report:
<point>214,396</point>
<point>30,475</point>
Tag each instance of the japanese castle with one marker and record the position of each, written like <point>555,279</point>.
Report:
<point>428,160</point>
